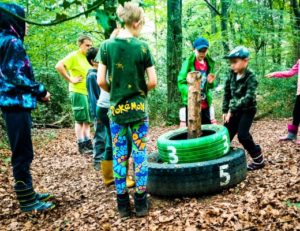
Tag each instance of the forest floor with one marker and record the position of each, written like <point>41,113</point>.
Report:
<point>84,203</point>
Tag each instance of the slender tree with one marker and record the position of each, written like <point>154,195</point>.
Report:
<point>174,55</point>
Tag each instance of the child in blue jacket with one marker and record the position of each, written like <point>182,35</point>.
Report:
<point>19,93</point>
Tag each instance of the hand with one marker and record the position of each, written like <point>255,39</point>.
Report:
<point>226,117</point>
<point>75,80</point>
<point>46,98</point>
<point>211,78</point>
<point>270,75</point>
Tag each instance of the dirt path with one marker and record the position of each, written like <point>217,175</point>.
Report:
<point>85,204</point>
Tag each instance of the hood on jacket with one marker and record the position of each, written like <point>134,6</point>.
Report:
<point>11,24</point>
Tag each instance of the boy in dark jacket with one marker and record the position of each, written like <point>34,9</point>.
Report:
<point>94,93</point>
<point>239,104</point>
<point>19,93</point>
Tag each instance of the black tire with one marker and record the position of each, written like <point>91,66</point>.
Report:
<point>174,147</point>
<point>199,178</point>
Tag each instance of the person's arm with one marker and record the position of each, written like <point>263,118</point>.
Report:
<point>227,95</point>
<point>61,69</point>
<point>101,77</point>
<point>152,78</point>
<point>285,74</point>
<point>18,71</point>
<point>181,80</point>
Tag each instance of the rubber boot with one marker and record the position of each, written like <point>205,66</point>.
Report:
<point>123,205</point>
<point>43,196</point>
<point>258,159</point>
<point>141,204</point>
<point>292,133</point>
<point>107,171</point>
<point>129,182</point>
<point>28,198</point>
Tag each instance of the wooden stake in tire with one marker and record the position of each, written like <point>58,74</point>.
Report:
<point>194,108</point>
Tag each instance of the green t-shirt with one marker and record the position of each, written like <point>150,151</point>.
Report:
<point>126,61</point>
<point>78,66</point>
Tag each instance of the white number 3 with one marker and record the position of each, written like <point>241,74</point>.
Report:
<point>225,175</point>
<point>172,155</point>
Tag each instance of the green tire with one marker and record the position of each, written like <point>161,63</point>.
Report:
<point>174,147</point>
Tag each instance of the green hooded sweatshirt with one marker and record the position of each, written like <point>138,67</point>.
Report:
<point>188,66</point>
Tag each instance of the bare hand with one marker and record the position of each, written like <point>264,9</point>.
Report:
<point>46,98</point>
<point>75,80</point>
<point>226,117</point>
<point>211,78</point>
<point>270,75</point>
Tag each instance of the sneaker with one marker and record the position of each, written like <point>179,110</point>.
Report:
<point>88,144</point>
<point>97,166</point>
<point>255,166</point>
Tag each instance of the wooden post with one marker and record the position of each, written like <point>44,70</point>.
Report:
<point>194,104</point>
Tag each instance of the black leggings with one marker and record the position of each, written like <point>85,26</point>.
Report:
<point>296,112</point>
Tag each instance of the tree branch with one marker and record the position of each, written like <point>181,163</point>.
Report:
<point>212,7</point>
<point>54,22</point>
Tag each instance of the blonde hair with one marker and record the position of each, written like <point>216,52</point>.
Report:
<point>130,13</point>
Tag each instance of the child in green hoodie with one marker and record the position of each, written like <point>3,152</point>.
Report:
<point>202,62</point>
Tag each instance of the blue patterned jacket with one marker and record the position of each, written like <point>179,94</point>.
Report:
<point>18,87</point>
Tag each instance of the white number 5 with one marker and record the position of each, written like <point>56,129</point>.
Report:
<point>224,174</point>
<point>172,155</point>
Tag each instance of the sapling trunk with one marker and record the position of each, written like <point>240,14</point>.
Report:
<point>194,104</point>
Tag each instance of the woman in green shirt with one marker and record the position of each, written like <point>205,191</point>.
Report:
<point>126,60</point>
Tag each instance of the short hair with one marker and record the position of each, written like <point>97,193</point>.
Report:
<point>130,13</point>
<point>91,54</point>
<point>82,38</point>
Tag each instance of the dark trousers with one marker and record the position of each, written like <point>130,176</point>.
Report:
<point>240,124</point>
<point>18,125</point>
<point>296,112</point>
<point>205,116</point>
<point>103,118</point>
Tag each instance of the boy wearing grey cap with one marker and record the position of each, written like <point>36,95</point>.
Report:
<point>239,104</point>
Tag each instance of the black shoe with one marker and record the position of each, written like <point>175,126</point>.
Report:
<point>81,147</point>
<point>124,205</point>
<point>255,166</point>
<point>88,144</point>
<point>141,204</point>
<point>97,166</point>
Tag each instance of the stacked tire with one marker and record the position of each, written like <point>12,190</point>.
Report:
<point>189,167</point>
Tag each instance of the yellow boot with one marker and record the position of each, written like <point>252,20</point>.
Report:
<point>129,182</point>
<point>107,171</point>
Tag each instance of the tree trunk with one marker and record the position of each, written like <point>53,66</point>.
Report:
<point>224,24</point>
<point>295,5</point>
<point>213,15</point>
<point>194,100</point>
<point>174,55</point>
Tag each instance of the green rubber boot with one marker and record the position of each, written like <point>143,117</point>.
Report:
<point>28,199</point>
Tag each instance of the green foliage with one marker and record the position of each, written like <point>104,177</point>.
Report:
<point>266,29</point>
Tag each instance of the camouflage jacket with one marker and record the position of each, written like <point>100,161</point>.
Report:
<point>240,95</point>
